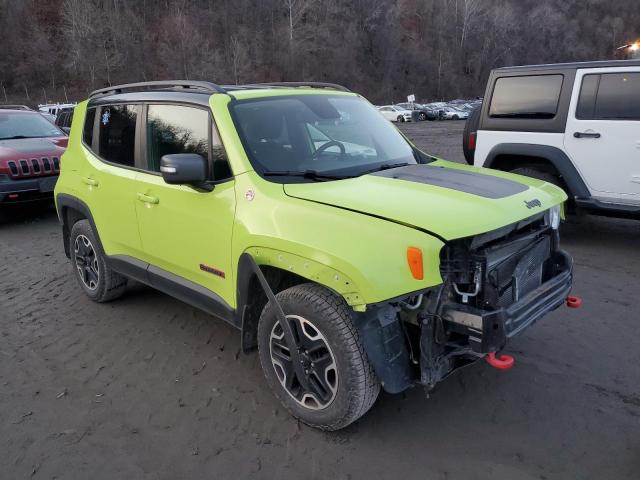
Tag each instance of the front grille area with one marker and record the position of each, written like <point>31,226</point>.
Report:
<point>499,269</point>
<point>34,167</point>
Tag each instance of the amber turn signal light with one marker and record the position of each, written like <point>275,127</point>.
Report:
<point>414,258</point>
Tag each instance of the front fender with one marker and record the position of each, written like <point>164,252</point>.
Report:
<point>312,270</point>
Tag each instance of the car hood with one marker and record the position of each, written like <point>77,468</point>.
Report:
<point>443,198</point>
<point>24,148</point>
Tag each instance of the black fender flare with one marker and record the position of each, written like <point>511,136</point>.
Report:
<point>248,323</point>
<point>555,156</point>
<point>64,201</point>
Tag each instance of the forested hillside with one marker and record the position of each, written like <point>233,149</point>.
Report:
<point>381,48</point>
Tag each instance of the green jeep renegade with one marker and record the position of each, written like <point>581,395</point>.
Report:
<point>295,212</point>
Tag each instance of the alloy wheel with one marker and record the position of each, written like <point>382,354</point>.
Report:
<point>86,262</point>
<point>317,360</point>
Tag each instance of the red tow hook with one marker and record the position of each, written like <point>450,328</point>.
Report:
<point>504,362</point>
<point>574,302</point>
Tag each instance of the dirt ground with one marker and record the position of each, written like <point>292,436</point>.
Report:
<point>149,388</point>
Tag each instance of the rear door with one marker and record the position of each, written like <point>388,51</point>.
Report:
<point>107,179</point>
<point>603,132</point>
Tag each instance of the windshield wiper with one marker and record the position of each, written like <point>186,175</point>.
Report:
<point>310,174</point>
<point>385,166</point>
<point>15,137</point>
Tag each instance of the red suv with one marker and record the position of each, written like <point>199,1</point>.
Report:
<point>30,150</point>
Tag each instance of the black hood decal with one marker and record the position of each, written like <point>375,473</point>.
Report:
<point>474,183</point>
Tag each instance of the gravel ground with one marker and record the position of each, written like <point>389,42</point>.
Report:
<point>149,388</point>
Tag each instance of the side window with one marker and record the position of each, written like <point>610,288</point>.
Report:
<point>89,122</point>
<point>175,129</point>
<point>587,100</point>
<point>117,136</point>
<point>533,96</point>
<point>618,97</point>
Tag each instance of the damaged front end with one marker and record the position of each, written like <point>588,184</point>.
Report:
<point>494,286</point>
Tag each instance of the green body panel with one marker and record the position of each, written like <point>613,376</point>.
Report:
<point>448,213</point>
<point>334,233</point>
<point>367,252</point>
<point>187,228</point>
<point>107,190</point>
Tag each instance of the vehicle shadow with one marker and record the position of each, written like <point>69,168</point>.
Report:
<point>593,231</point>
<point>13,214</point>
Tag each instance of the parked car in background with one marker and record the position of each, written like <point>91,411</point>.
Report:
<point>575,125</point>
<point>395,114</point>
<point>453,113</point>
<point>64,118</point>
<point>420,112</point>
<point>54,108</point>
<point>49,117</point>
<point>30,150</point>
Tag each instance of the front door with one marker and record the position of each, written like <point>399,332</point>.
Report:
<point>184,230</point>
<point>603,132</point>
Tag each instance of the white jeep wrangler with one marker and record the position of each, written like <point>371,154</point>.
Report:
<point>576,125</point>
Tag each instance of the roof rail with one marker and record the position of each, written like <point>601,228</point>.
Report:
<point>14,107</point>
<point>332,86</point>
<point>208,87</point>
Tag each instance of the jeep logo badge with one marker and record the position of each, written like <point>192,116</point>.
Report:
<point>533,203</point>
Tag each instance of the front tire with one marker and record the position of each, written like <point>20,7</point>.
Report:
<point>343,386</point>
<point>422,117</point>
<point>97,279</point>
<point>400,119</point>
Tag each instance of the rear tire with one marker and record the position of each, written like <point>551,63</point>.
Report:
<point>96,278</point>
<point>422,117</point>
<point>352,386</point>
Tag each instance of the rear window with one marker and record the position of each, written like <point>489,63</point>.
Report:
<point>609,96</point>
<point>534,96</point>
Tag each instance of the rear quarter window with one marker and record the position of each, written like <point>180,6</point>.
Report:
<point>532,96</point>
<point>87,131</point>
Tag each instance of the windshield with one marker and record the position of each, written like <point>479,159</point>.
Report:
<point>26,125</point>
<point>328,135</point>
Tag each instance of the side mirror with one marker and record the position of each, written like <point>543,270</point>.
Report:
<point>184,169</point>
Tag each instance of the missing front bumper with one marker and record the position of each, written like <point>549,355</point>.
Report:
<point>488,331</point>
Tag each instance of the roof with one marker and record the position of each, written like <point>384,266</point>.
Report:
<point>572,65</point>
<point>195,89</point>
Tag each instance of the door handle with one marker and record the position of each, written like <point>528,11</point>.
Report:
<point>586,135</point>
<point>148,198</point>
<point>90,181</point>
